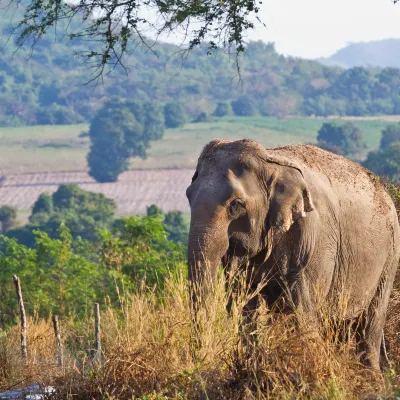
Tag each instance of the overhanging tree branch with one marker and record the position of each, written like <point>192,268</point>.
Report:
<point>113,27</point>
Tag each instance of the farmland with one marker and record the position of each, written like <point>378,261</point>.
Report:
<point>37,159</point>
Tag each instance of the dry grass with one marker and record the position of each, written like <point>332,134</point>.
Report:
<point>153,348</point>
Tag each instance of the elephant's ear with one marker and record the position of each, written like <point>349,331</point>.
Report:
<point>289,202</point>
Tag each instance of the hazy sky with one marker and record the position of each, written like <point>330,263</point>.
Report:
<point>317,28</point>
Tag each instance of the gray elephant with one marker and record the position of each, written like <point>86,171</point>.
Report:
<point>305,217</point>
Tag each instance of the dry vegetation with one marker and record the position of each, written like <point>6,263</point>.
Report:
<point>153,348</point>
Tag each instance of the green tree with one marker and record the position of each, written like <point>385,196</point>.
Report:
<point>119,131</point>
<point>82,212</point>
<point>390,135</point>
<point>44,204</point>
<point>243,107</point>
<point>385,162</point>
<point>174,115</point>
<point>339,138</point>
<point>8,218</point>
<point>174,223</point>
<point>223,108</point>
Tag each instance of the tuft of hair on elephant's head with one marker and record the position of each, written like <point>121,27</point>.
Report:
<point>305,217</point>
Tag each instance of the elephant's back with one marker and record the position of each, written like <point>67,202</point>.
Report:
<point>346,178</point>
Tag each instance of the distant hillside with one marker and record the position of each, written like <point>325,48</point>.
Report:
<point>379,53</point>
<point>47,86</point>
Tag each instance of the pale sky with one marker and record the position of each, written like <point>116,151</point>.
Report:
<point>318,28</point>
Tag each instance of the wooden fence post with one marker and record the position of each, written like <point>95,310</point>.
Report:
<point>57,335</point>
<point>17,284</point>
<point>97,330</point>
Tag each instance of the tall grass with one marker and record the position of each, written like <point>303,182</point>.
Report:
<point>155,348</point>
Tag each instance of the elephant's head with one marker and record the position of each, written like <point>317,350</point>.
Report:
<point>242,201</point>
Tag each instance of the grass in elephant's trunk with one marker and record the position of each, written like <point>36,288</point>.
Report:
<point>152,347</point>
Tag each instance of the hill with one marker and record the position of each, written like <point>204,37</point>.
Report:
<point>378,53</point>
<point>46,86</point>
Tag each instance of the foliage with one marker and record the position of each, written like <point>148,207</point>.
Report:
<point>121,130</point>
<point>64,275</point>
<point>47,86</point>
<point>243,107</point>
<point>174,223</point>
<point>344,138</point>
<point>120,26</point>
<point>386,162</point>
<point>139,249</point>
<point>8,218</point>
<point>201,118</point>
<point>174,115</point>
<point>223,108</point>
<point>44,204</point>
<point>81,211</point>
<point>391,134</point>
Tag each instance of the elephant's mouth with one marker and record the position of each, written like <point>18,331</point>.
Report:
<point>236,251</point>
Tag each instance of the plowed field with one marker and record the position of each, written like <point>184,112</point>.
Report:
<point>133,192</point>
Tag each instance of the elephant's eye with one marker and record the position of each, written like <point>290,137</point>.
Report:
<point>237,208</point>
<point>196,174</point>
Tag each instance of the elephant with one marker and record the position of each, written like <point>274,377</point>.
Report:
<point>304,216</point>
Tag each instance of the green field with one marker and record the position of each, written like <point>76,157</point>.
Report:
<point>59,148</point>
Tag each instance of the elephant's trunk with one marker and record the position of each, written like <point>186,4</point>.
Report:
<point>208,242</point>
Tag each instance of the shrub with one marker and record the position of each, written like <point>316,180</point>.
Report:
<point>344,139</point>
<point>390,135</point>
<point>8,217</point>
<point>385,163</point>
<point>222,109</point>
<point>243,107</point>
<point>174,115</point>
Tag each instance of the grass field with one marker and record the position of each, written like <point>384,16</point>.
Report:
<point>59,148</point>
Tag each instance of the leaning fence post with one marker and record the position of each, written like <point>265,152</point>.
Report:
<point>57,335</point>
<point>97,330</point>
<point>17,284</point>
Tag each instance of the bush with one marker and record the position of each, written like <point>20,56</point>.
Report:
<point>174,224</point>
<point>344,139</point>
<point>82,212</point>
<point>223,109</point>
<point>243,107</point>
<point>390,135</point>
<point>385,163</point>
<point>8,218</point>
<point>174,115</point>
<point>202,118</point>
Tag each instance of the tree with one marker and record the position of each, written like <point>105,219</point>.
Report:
<point>8,218</point>
<point>344,139</point>
<point>118,26</point>
<point>174,115</point>
<point>119,131</point>
<point>391,134</point>
<point>243,107</point>
<point>174,223</point>
<point>385,162</point>
<point>44,204</point>
<point>223,108</point>
<point>82,213</point>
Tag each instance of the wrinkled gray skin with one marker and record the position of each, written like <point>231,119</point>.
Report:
<point>312,221</point>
